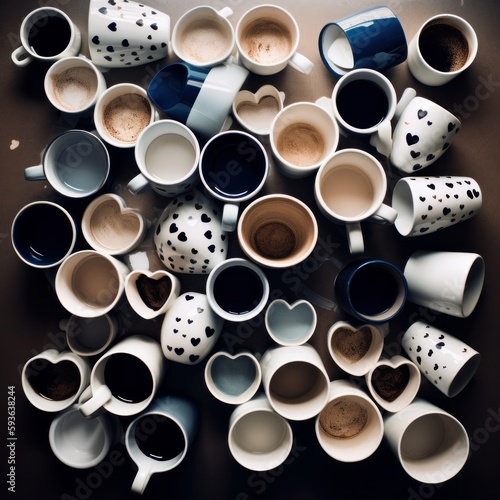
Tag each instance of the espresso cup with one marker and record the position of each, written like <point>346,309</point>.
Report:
<point>233,168</point>
<point>295,381</point>
<point>111,227</point>
<point>444,47</point>
<point>125,379</point>
<point>431,445</point>
<point>277,231</point>
<point>302,135</point>
<point>90,336</point>
<point>90,283</point>
<point>267,38</point>
<point>81,442</point>
<point>53,381</point>
<point>259,439</point>
<point>75,163</point>
<point>350,427</point>
<point>237,290</point>
<point>121,113</point>
<point>43,234</point>
<point>447,282</point>
<point>364,103</point>
<point>204,36</point>
<point>73,85</point>
<point>167,154</point>
<point>158,439</point>
<point>428,204</point>
<point>372,38</point>
<point>350,187</point>
<point>371,290</point>
<point>446,361</point>
<point>47,34</point>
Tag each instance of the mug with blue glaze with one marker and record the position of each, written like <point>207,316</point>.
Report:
<point>372,38</point>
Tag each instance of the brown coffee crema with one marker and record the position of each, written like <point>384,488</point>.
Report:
<point>389,383</point>
<point>204,41</point>
<point>274,240</point>
<point>266,41</point>
<point>301,144</point>
<point>54,382</point>
<point>343,418</point>
<point>75,88</point>
<point>444,47</point>
<point>352,344</point>
<point>126,116</point>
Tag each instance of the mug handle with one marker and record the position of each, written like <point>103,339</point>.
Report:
<point>405,99</point>
<point>141,480</point>
<point>385,215</point>
<point>20,57</point>
<point>34,173</point>
<point>94,406</point>
<point>355,238</point>
<point>301,63</point>
<point>138,184</point>
<point>382,138</point>
<point>230,217</point>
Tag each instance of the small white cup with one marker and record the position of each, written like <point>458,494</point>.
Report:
<point>125,379</point>
<point>350,426</point>
<point>350,187</point>
<point>80,442</point>
<point>203,36</point>
<point>73,85</point>
<point>442,38</point>
<point>302,135</point>
<point>121,113</point>
<point>295,381</point>
<point>90,283</point>
<point>158,439</point>
<point>447,282</point>
<point>52,381</point>
<point>431,445</point>
<point>258,438</point>
<point>38,42</point>
<point>274,29</point>
<point>167,154</point>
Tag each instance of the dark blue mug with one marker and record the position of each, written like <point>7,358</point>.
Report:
<point>371,290</point>
<point>372,38</point>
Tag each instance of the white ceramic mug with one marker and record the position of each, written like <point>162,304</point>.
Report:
<point>447,362</point>
<point>111,227</point>
<point>52,381</point>
<point>295,381</point>
<point>259,439</point>
<point>158,439</point>
<point>267,38</point>
<point>447,282</point>
<point>428,204</point>
<point>349,428</point>
<point>204,36</point>
<point>73,85</point>
<point>443,47</point>
<point>38,42</point>
<point>431,445</point>
<point>125,379</point>
<point>167,154</point>
<point>90,283</point>
<point>81,442</point>
<point>350,187</point>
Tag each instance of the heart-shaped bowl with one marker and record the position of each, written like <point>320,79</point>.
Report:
<point>290,324</point>
<point>256,111</point>
<point>355,349</point>
<point>233,378</point>
<point>111,227</point>
<point>151,293</point>
<point>393,383</point>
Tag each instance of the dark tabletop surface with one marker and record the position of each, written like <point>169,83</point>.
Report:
<point>30,310</point>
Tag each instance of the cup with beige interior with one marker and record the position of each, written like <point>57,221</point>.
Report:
<point>277,231</point>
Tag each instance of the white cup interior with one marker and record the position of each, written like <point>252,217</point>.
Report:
<point>90,336</point>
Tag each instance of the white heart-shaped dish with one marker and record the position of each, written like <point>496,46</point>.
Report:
<point>395,389</point>
<point>256,111</point>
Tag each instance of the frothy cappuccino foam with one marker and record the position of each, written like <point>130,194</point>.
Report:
<point>204,41</point>
<point>75,88</point>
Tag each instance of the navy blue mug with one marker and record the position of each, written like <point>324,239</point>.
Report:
<point>372,38</point>
<point>43,234</point>
<point>371,290</point>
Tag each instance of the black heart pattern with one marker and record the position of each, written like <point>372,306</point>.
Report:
<point>421,113</point>
<point>412,139</point>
